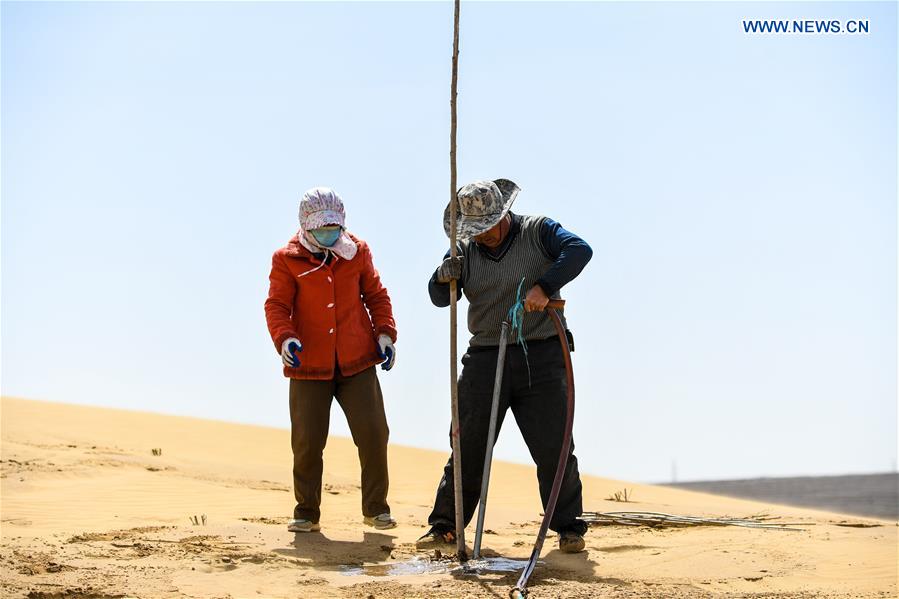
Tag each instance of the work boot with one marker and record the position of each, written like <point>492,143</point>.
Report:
<point>571,542</point>
<point>381,522</point>
<point>438,535</point>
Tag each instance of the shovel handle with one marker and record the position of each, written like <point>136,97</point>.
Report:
<point>556,304</point>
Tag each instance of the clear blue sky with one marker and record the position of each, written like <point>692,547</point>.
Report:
<point>740,191</point>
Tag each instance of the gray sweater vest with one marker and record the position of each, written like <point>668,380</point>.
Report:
<point>489,284</point>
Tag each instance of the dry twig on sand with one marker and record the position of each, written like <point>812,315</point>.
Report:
<point>623,495</point>
<point>660,520</point>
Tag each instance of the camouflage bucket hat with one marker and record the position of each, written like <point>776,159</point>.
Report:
<point>479,206</point>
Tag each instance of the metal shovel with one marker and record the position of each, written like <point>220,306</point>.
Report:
<point>491,437</point>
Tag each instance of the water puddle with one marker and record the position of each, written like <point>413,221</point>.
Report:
<point>487,565</point>
<point>428,565</point>
<point>416,565</point>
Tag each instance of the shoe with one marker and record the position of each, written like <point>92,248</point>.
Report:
<point>438,535</point>
<point>300,525</point>
<point>381,522</point>
<point>571,542</point>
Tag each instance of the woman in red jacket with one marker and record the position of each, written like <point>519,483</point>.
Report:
<point>331,320</point>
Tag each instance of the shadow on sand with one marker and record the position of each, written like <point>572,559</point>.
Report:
<point>494,574</point>
<point>317,550</point>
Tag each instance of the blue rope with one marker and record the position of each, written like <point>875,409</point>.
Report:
<point>516,319</point>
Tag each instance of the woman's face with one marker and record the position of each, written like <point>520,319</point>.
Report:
<point>326,236</point>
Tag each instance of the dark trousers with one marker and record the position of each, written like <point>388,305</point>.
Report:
<point>538,403</point>
<point>310,412</point>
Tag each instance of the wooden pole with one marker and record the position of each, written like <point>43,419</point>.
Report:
<point>454,391</point>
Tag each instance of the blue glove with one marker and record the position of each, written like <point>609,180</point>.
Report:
<point>386,351</point>
<point>289,350</point>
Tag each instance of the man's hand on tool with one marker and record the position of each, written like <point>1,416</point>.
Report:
<point>450,269</point>
<point>289,352</point>
<point>386,351</point>
<point>535,300</point>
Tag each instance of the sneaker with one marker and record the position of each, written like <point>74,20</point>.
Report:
<point>381,522</point>
<point>571,542</point>
<point>300,525</point>
<point>438,535</point>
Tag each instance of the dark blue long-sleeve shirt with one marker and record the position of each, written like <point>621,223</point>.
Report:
<point>570,252</point>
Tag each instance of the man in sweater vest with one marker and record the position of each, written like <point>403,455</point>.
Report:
<point>496,249</point>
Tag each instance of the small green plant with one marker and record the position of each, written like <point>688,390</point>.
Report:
<point>157,451</point>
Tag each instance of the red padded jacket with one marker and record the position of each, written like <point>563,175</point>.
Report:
<point>336,311</point>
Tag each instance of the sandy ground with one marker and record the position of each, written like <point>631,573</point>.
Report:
<point>89,511</point>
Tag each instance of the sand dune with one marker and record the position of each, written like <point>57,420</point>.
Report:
<point>88,511</point>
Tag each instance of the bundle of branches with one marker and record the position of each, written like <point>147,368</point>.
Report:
<point>659,520</point>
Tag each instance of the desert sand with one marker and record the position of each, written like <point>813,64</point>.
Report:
<point>88,510</point>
